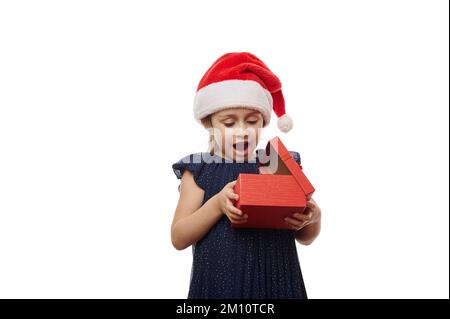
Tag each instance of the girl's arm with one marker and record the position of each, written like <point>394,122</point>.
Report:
<point>306,224</point>
<point>192,220</point>
<point>311,229</point>
<point>309,233</point>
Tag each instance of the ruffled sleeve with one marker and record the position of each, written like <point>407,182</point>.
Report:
<point>296,156</point>
<point>195,165</point>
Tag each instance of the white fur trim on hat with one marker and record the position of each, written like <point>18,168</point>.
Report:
<point>232,93</point>
<point>285,123</point>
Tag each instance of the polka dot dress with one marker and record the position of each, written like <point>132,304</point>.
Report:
<point>239,263</point>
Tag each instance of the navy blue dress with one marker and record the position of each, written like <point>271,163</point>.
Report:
<point>239,263</point>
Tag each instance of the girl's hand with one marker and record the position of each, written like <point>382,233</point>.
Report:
<point>225,199</point>
<point>312,214</point>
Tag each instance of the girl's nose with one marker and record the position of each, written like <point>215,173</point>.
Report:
<point>241,130</point>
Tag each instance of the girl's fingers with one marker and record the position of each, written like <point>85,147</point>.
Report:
<point>239,221</point>
<point>311,204</point>
<point>302,216</point>
<point>233,209</point>
<point>294,222</point>
<point>235,214</point>
<point>232,195</point>
<point>231,184</point>
<point>293,227</point>
<point>236,218</point>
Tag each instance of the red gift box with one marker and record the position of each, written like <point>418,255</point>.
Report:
<point>280,190</point>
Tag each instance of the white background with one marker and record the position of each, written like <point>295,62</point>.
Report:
<point>96,105</point>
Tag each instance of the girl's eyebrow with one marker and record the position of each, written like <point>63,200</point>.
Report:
<point>234,116</point>
<point>252,113</point>
<point>227,116</point>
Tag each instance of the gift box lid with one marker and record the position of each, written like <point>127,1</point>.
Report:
<point>279,160</point>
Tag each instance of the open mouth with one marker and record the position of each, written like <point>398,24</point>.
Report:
<point>241,147</point>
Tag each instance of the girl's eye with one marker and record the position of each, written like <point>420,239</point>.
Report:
<point>228,124</point>
<point>252,122</point>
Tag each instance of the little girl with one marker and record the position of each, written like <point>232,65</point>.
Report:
<point>234,101</point>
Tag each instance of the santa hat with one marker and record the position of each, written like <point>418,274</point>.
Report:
<point>240,79</point>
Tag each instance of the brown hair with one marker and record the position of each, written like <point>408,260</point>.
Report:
<point>207,124</point>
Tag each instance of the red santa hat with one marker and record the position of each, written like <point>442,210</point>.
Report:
<point>240,79</point>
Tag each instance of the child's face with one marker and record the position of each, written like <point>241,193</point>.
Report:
<point>237,131</point>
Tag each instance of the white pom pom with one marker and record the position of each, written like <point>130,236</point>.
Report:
<point>285,123</point>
